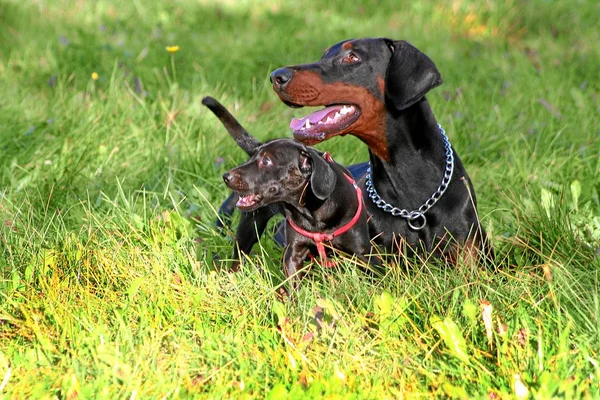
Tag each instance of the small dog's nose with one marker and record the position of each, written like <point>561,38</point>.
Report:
<point>281,77</point>
<point>227,177</point>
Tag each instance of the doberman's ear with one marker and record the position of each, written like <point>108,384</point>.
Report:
<point>410,74</point>
<point>323,177</point>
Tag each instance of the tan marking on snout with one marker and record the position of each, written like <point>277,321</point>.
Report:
<point>308,89</point>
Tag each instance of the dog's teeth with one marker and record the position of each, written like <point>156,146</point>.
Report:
<point>307,124</point>
<point>328,120</point>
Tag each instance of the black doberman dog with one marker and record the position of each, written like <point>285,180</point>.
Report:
<point>417,191</point>
<point>321,201</point>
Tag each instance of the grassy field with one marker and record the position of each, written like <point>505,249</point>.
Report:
<point>110,173</point>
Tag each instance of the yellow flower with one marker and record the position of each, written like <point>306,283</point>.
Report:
<point>95,76</point>
<point>172,49</point>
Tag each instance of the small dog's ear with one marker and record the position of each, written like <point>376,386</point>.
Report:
<point>410,74</point>
<point>323,178</point>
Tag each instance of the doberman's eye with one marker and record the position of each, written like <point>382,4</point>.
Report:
<point>350,58</point>
<point>266,161</point>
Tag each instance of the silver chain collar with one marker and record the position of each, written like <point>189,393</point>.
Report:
<point>416,219</point>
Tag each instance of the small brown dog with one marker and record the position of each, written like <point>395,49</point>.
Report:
<point>320,200</point>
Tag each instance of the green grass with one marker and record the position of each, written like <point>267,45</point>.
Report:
<point>108,189</point>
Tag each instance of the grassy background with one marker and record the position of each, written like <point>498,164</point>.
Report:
<point>108,189</point>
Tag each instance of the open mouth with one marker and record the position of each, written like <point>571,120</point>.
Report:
<point>248,201</point>
<point>330,119</point>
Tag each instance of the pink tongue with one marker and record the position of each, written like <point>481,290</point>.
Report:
<point>315,117</point>
<point>245,200</point>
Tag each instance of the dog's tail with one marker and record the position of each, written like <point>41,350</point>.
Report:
<point>245,140</point>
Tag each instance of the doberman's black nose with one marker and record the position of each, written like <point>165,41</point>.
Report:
<point>281,77</point>
<point>227,177</point>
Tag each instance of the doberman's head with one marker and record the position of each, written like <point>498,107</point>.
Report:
<point>359,82</point>
<point>281,171</point>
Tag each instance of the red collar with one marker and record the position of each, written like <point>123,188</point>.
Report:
<point>320,237</point>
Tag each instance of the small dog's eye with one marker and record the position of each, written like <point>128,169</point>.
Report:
<point>266,161</point>
<point>350,58</point>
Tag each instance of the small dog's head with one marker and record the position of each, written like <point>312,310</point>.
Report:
<point>281,171</point>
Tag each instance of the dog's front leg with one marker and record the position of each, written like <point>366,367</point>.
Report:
<point>250,229</point>
<point>295,254</point>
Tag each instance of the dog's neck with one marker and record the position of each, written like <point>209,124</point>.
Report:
<point>313,214</point>
<point>416,157</point>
